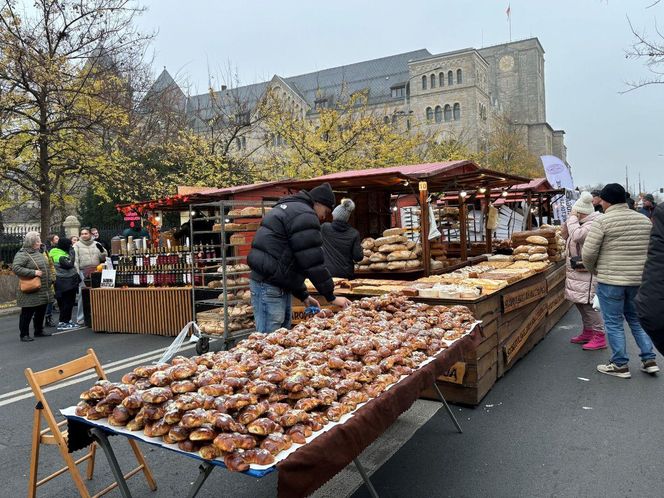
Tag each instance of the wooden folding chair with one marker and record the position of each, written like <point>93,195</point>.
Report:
<point>54,434</point>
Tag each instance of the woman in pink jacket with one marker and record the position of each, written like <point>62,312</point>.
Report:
<point>580,284</point>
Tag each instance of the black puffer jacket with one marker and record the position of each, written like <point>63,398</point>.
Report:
<point>650,300</point>
<point>341,246</point>
<point>288,248</point>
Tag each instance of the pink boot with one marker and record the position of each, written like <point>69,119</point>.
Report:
<point>597,342</point>
<point>583,337</point>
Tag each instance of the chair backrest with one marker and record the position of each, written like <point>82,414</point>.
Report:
<point>66,370</point>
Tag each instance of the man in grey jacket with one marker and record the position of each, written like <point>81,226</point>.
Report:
<point>615,250</point>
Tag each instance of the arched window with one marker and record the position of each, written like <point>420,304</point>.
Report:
<point>394,119</point>
<point>429,114</point>
<point>424,82</point>
<point>441,79</point>
<point>459,77</point>
<point>432,79</point>
<point>457,112</point>
<point>386,120</point>
<point>450,78</point>
<point>448,112</point>
<point>439,114</point>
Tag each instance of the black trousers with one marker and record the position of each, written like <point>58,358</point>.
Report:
<point>27,314</point>
<point>66,301</point>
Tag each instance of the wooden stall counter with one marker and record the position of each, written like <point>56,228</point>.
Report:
<point>152,310</point>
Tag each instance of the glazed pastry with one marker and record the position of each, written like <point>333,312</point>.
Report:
<point>183,386</point>
<point>157,395</point>
<point>156,429</point>
<point>82,408</point>
<point>190,401</point>
<point>194,418</point>
<point>130,378</point>
<point>263,427</point>
<point>189,445</point>
<point>120,416</point>
<point>182,370</point>
<point>307,404</point>
<point>252,412</point>
<point>260,387</point>
<point>136,424</point>
<point>235,462</point>
<point>209,452</point>
<point>226,423</point>
<point>179,433</point>
<point>153,412</point>
<point>145,371</point>
<point>292,417</point>
<point>236,383</point>
<point>258,456</point>
<point>203,433</point>
<point>215,389</point>
<point>275,443</point>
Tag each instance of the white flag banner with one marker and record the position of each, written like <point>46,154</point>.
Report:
<point>557,172</point>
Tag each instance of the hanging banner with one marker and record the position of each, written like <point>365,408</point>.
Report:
<point>557,172</point>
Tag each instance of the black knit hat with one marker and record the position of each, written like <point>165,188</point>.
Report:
<point>323,194</point>
<point>613,193</point>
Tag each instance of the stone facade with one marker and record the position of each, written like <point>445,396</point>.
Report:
<point>452,95</point>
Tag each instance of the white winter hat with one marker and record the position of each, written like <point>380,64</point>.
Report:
<point>584,205</point>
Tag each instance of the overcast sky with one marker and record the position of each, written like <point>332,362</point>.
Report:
<point>585,43</point>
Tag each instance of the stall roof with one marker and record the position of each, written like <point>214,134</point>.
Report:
<point>181,202</point>
<point>518,192</point>
<point>439,176</point>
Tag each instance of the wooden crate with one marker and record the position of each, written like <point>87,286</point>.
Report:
<point>465,395</point>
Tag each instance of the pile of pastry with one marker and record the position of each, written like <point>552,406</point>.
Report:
<point>393,251</point>
<point>250,403</point>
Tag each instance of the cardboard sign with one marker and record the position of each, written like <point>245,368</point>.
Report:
<point>514,344</point>
<point>518,299</point>
<point>107,279</point>
<point>455,374</point>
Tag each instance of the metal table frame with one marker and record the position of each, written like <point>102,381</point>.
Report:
<point>99,435</point>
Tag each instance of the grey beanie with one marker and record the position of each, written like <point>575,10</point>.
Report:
<point>343,211</point>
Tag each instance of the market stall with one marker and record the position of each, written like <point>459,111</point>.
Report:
<point>150,291</point>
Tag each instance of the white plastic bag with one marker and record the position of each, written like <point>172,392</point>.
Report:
<point>596,303</point>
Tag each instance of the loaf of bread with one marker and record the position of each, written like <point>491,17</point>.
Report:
<point>538,240</point>
<point>386,248</point>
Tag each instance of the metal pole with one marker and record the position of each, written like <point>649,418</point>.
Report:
<point>101,438</point>
<point>204,471</point>
<point>463,228</point>
<point>424,227</point>
<point>365,477</point>
<point>488,234</point>
<point>447,407</point>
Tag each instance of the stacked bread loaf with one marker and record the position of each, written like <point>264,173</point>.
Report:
<point>534,246</point>
<point>393,251</point>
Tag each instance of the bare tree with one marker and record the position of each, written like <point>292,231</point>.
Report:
<point>68,74</point>
<point>648,47</point>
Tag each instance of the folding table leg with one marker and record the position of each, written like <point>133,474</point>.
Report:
<point>101,438</point>
<point>365,477</point>
<point>447,407</point>
<point>204,471</point>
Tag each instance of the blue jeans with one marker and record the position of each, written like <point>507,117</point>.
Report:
<point>617,306</point>
<point>272,306</point>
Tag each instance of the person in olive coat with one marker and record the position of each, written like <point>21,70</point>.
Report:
<point>29,262</point>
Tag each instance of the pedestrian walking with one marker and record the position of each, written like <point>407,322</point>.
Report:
<point>615,251</point>
<point>649,206</point>
<point>580,284</point>
<point>341,242</point>
<point>67,282</point>
<point>88,255</point>
<point>287,249</point>
<point>650,299</point>
<point>35,284</point>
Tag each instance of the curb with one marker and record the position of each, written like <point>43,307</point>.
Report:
<point>9,311</point>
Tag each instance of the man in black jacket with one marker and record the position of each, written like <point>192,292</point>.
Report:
<point>341,242</point>
<point>287,249</point>
<point>650,299</point>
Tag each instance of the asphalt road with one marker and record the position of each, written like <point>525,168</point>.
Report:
<point>541,431</point>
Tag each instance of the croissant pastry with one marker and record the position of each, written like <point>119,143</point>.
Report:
<point>145,371</point>
<point>235,462</point>
<point>179,433</point>
<point>261,387</point>
<point>183,370</point>
<point>153,412</point>
<point>129,378</point>
<point>209,452</point>
<point>276,443</point>
<point>258,456</point>
<point>326,396</point>
<point>215,389</point>
<point>157,395</point>
<point>194,418</point>
<point>142,384</point>
<point>263,427</point>
<point>236,383</point>
<point>168,439</point>
<point>176,360</point>
<point>82,408</point>
<point>183,386</point>
<point>120,416</point>
<point>203,433</point>
<point>238,401</point>
<point>299,433</point>
<point>156,429</point>
<point>190,401</point>
<point>173,414</point>
<point>136,424</point>
<point>226,423</point>
<point>252,412</point>
<point>160,378</point>
<point>294,383</point>
<point>190,446</point>
<point>307,404</point>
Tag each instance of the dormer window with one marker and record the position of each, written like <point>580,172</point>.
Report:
<point>398,92</point>
<point>321,103</point>
<point>243,118</point>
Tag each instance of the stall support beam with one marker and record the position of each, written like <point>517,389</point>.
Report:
<point>539,209</point>
<point>488,234</point>
<point>365,478</point>
<point>528,214</point>
<point>463,228</point>
<point>204,471</point>
<point>102,439</point>
<point>424,227</point>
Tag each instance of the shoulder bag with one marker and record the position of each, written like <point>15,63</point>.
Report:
<point>30,285</point>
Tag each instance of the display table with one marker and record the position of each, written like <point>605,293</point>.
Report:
<point>514,320</point>
<point>151,310</point>
<point>314,463</point>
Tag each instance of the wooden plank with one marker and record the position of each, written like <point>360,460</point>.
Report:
<point>555,299</point>
<point>516,299</point>
<point>555,277</point>
<point>513,345</point>
<point>510,323</point>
